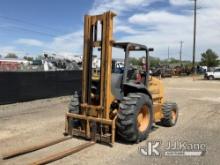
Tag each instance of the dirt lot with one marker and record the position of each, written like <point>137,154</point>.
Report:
<point>32,122</point>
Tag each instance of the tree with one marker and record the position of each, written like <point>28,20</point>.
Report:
<point>174,61</point>
<point>134,61</point>
<point>39,57</point>
<point>28,58</point>
<point>154,62</point>
<point>11,55</point>
<point>209,59</point>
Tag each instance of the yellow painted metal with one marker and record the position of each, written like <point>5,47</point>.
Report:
<point>90,118</point>
<point>106,98</point>
<point>100,113</point>
<point>91,111</point>
<point>156,88</point>
<point>106,62</point>
<point>158,114</point>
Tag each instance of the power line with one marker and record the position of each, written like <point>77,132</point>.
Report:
<point>14,28</point>
<point>30,23</point>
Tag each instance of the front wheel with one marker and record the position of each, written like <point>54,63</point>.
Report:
<point>211,78</point>
<point>135,117</point>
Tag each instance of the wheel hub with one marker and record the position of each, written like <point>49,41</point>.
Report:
<point>173,116</point>
<point>143,119</point>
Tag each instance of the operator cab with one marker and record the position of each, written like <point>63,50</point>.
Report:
<point>131,78</point>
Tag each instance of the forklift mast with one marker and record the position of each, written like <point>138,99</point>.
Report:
<point>98,31</point>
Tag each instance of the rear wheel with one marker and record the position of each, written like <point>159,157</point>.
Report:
<point>135,117</point>
<point>170,113</point>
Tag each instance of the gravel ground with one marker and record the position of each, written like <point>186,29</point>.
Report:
<point>38,121</point>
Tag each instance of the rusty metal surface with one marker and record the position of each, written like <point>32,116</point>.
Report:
<point>62,154</point>
<point>90,118</point>
<point>33,148</point>
<point>96,110</point>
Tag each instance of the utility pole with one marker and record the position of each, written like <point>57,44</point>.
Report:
<point>168,53</point>
<point>181,47</point>
<point>168,56</point>
<point>194,36</point>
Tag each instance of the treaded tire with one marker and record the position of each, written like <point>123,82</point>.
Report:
<point>129,109</point>
<point>211,77</point>
<point>74,108</point>
<point>168,109</point>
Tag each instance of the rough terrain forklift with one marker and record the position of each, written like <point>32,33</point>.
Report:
<point>111,103</point>
<point>125,103</point>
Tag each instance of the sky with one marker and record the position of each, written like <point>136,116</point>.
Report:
<point>34,27</point>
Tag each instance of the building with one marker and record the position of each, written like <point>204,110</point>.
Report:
<point>7,64</point>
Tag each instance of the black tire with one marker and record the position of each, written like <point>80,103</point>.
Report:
<point>211,78</point>
<point>129,109</point>
<point>170,113</point>
<point>74,107</point>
